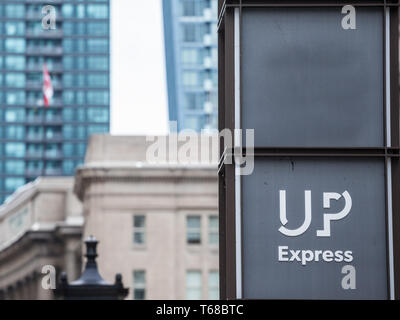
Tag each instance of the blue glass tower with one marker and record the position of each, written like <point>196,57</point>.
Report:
<point>190,28</point>
<point>35,140</point>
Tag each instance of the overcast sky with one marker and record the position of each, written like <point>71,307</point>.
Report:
<point>138,80</point>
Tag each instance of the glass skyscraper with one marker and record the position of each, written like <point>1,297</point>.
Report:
<point>37,140</point>
<point>190,28</point>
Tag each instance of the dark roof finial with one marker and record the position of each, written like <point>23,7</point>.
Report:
<point>91,285</point>
<point>91,249</point>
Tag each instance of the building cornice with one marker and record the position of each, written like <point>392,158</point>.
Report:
<point>39,234</point>
<point>137,172</point>
<point>28,192</point>
<point>42,231</point>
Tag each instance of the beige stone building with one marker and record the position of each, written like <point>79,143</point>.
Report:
<point>40,225</point>
<point>155,217</point>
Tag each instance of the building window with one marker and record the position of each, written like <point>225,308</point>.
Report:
<point>68,10</point>
<point>139,230</point>
<point>139,285</point>
<point>74,132</point>
<point>15,11</point>
<point>14,132</point>
<point>97,97</point>
<point>34,167</point>
<point>52,150</point>
<point>53,167</point>
<point>68,97</point>
<point>213,285</point>
<point>192,32</point>
<point>98,63</point>
<point>68,80</point>
<point>190,56</point>
<point>74,80</point>
<point>193,285</point>
<point>68,167</point>
<point>15,63</point>
<point>80,79</point>
<point>68,63</point>
<point>15,45</point>
<point>15,167</point>
<point>97,45</point>
<point>16,80</point>
<point>97,11</point>
<point>194,101</point>
<point>193,227</point>
<point>68,114</point>
<point>192,8</point>
<point>11,184</point>
<point>194,122</point>
<point>80,45</point>
<point>68,132</point>
<point>15,149</point>
<point>68,28</point>
<point>80,11</point>
<point>15,28</point>
<point>68,45</point>
<point>213,230</point>
<point>191,78</point>
<point>68,149</point>
<point>14,115</point>
<point>97,28</point>
<point>188,8</point>
<point>81,149</point>
<point>97,115</point>
<point>33,28</point>
<point>98,80</point>
<point>80,63</point>
<point>93,129</point>
<point>80,97</point>
<point>15,97</point>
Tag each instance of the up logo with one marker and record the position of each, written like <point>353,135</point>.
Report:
<point>327,217</point>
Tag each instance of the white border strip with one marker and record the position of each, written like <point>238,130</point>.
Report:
<point>387,67</point>
<point>238,142</point>
<point>390,228</point>
<point>389,163</point>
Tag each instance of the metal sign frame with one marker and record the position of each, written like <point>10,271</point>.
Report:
<point>230,109</point>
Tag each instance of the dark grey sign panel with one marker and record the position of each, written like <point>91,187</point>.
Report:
<point>315,229</point>
<point>308,82</point>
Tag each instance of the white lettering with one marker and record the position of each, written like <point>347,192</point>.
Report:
<point>327,256</point>
<point>282,251</point>
<point>348,256</point>
<point>305,256</point>
<point>295,255</point>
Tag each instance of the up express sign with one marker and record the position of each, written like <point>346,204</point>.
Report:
<point>314,243</point>
<point>319,217</point>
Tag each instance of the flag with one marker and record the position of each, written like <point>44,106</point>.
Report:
<point>47,87</point>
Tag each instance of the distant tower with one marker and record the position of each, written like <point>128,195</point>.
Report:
<point>190,28</point>
<point>37,140</point>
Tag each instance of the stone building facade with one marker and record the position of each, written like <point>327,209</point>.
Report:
<point>155,216</point>
<point>156,221</point>
<point>40,226</point>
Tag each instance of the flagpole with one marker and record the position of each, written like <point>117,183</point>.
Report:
<point>44,141</point>
<point>43,121</point>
